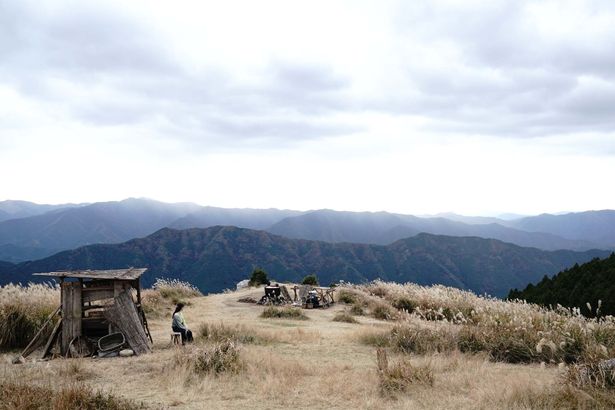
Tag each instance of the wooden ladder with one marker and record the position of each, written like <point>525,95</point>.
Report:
<point>144,321</point>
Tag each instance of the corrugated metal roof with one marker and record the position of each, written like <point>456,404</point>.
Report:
<point>124,274</point>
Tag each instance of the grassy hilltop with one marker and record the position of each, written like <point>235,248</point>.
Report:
<point>382,346</point>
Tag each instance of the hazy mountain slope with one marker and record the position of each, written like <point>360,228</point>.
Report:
<point>473,220</point>
<point>103,222</point>
<point>15,254</point>
<point>594,226</point>
<point>242,218</point>
<point>384,228</point>
<point>335,226</point>
<point>112,222</point>
<point>576,286</point>
<point>216,258</point>
<point>12,209</point>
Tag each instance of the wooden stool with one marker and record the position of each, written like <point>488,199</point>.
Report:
<point>176,338</point>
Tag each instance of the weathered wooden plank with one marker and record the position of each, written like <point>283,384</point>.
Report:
<point>92,295</point>
<point>52,338</point>
<point>123,314</point>
<point>71,313</point>
<point>118,287</point>
<point>124,274</point>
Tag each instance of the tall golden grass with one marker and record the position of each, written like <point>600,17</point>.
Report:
<point>23,310</point>
<point>164,294</point>
<point>510,331</point>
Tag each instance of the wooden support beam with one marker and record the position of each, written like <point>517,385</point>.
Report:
<point>52,338</point>
<point>71,313</point>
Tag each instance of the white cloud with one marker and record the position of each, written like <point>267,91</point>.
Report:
<point>481,106</point>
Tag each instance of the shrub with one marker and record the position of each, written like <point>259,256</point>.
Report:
<point>175,290</point>
<point>597,374</point>
<point>274,312</point>
<point>398,377</point>
<point>310,280</point>
<point>375,338</point>
<point>346,296</point>
<point>28,396</point>
<point>222,357</point>
<point>259,277</point>
<point>23,310</point>
<point>404,303</point>
<point>357,310</point>
<point>382,311</point>
<point>344,317</point>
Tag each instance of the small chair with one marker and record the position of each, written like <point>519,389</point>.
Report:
<point>176,338</point>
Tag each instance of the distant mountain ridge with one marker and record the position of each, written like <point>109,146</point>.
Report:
<point>383,228</point>
<point>218,257</point>
<point>69,226</point>
<point>594,226</point>
<point>117,221</point>
<point>14,209</point>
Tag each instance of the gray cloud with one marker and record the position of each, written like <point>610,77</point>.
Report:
<point>107,69</point>
<point>506,76</point>
<point>513,77</point>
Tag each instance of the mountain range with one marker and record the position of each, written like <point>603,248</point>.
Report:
<point>12,209</point>
<point>218,257</point>
<point>35,231</point>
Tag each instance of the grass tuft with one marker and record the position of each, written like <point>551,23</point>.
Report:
<point>344,317</point>
<point>221,357</point>
<point>27,396</point>
<point>398,377</point>
<point>238,333</point>
<point>274,312</point>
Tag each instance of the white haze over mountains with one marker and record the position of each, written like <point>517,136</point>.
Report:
<point>475,107</point>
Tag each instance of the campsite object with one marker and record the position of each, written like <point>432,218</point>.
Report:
<point>111,342</point>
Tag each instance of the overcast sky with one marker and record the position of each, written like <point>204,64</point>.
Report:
<point>410,106</point>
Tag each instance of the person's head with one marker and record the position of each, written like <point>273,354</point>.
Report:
<point>178,308</point>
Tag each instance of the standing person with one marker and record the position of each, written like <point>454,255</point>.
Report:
<point>179,324</point>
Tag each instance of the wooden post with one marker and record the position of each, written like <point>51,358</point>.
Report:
<point>81,298</point>
<point>71,313</point>
<point>138,285</point>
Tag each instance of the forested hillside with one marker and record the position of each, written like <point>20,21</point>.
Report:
<point>576,287</point>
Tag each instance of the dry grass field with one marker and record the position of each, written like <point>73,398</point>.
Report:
<point>242,360</point>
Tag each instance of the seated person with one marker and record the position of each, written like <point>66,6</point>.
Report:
<point>179,324</point>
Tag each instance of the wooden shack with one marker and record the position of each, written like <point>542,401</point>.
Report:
<point>96,303</point>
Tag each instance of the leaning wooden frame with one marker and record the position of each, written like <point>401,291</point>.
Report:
<point>94,304</point>
<point>311,297</point>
